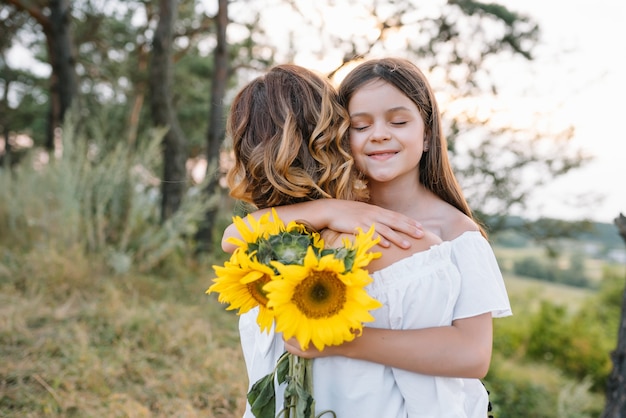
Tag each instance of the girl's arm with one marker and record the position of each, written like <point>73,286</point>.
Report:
<point>343,216</point>
<point>462,349</point>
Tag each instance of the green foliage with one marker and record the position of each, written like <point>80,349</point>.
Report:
<point>529,390</point>
<point>510,336</point>
<point>513,397</point>
<point>607,304</point>
<point>532,267</point>
<point>575,341</point>
<point>548,333</point>
<point>551,358</point>
<point>510,239</point>
<point>574,344</point>
<point>549,270</point>
<point>101,201</point>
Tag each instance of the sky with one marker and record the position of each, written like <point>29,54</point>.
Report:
<point>579,75</point>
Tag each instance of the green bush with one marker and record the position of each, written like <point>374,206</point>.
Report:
<point>98,199</point>
<point>575,344</point>
<point>527,389</point>
<point>573,275</point>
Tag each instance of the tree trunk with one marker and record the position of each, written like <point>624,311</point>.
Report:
<point>5,159</point>
<point>174,182</point>
<point>139,95</point>
<point>616,383</point>
<point>62,59</point>
<point>63,84</point>
<point>215,131</point>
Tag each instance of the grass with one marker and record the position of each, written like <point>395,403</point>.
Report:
<point>534,291</point>
<point>77,342</point>
<point>127,346</point>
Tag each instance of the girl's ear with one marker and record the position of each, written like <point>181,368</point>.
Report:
<point>426,143</point>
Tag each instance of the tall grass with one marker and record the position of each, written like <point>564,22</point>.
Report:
<point>102,308</point>
<point>98,198</point>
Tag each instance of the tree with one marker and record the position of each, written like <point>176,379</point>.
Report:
<point>215,131</point>
<point>616,383</point>
<point>55,19</point>
<point>12,21</point>
<point>173,183</point>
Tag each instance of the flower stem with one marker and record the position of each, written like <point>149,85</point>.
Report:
<point>288,400</point>
<point>299,390</point>
<point>308,375</point>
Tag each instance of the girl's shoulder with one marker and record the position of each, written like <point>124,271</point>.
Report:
<point>457,226</point>
<point>449,222</point>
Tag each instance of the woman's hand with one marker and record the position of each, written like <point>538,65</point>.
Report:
<point>344,216</point>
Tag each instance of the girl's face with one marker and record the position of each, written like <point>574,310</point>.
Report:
<point>386,132</point>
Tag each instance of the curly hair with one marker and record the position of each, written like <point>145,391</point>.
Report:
<point>289,137</point>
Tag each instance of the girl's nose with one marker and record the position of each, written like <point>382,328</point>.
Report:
<point>380,132</point>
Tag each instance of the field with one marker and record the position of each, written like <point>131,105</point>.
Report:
<point>536,290</point>
<point>74,345</point>
<point>118,347</point>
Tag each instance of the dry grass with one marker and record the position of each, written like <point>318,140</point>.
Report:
<point>75,344</point>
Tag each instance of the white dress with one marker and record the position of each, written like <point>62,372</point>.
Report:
<point>452,280</point>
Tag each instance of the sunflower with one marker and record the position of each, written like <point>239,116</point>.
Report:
<point>319,301</point>
<point>240,284</point>
<point>359,249</point>
<point>252,230</point>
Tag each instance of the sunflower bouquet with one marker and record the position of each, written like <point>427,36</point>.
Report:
<point>305,290</point>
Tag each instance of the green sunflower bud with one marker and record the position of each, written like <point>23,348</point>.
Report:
<point>289,247</point>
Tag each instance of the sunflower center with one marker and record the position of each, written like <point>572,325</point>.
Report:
<point>321,295</point>
<point>255,289</point>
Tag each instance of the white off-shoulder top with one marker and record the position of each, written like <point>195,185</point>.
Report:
<point>452,280</point>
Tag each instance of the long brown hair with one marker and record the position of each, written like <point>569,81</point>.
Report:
<point>435,171</point>
<point>289,139</point>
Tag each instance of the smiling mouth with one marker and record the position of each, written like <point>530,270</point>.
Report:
<point>382,154</point>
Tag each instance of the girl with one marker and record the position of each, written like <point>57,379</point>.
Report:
<point>432,340</point>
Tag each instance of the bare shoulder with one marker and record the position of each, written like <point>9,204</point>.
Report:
<point>449,222</point>
<point>457,224</point>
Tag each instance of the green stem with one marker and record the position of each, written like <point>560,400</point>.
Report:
<point>308,379</point>
<point>299,401</point>
<point>289,403</point>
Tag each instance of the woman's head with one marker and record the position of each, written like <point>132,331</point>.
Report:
<point>435,171</point>
<point>288,136</point>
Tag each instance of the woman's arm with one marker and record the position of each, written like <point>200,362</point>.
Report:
<point>460,350</point>
<point>343,216</point>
